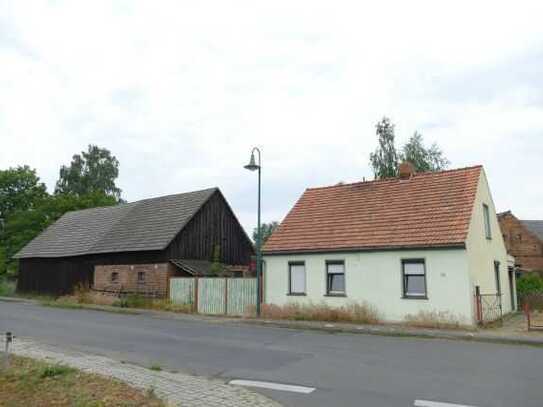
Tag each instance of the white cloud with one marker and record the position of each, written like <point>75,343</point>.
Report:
<point>180,91</point>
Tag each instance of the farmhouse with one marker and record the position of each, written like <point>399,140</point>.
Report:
<point>523,240</point>
<point>136,247</point>
<point>419,243</point>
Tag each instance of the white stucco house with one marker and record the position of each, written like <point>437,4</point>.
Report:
<point>419,242</point>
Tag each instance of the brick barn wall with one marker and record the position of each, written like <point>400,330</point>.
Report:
<point>156,277</point>
<point>521,244</point>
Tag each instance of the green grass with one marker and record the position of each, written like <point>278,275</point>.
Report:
<point>59,303</point>
<point>156,367</point>
<point>55,370</point>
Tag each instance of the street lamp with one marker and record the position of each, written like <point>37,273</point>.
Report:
<point>252,166</point>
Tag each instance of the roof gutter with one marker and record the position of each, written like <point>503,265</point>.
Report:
<point>451,246</point>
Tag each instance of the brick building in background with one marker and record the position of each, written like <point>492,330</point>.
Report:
<point>523,240</point>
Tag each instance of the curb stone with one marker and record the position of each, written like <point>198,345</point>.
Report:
<point>174,388</point>
<point>381,330</point>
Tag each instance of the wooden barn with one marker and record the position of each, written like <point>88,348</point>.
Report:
<point>136,247</point>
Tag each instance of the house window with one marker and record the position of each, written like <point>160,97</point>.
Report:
<point>141,276</point>
<point>486,214</point>
<point>414,278</point>
<point>114,277</point>
<point>497,276</point>
<point>296,278</point>
<point>335,278</point>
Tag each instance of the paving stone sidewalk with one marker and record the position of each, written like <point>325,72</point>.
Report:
<point>176,389</point>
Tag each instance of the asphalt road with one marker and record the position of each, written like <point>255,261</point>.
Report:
<point>346,369</point>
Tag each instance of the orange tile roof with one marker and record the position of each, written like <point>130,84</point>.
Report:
<point>426,210</point>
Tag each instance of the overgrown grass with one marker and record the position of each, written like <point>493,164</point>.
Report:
<point>82,297</point>
<point>434,319</point>
<point>362,313</point>
<point>7,288</point>
<point>33,383</point>
<point>137,301</point>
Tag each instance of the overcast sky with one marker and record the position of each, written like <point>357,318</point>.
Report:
<point>181,91</point>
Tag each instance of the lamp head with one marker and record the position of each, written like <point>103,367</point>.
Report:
<point>252,165</point>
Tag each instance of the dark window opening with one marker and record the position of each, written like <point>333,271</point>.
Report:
<point>486,213</point>
<point>141,276</point>
<point>335,277</point>
<point>497,275</point>
<point>114,276</point>
<point>414,278</point>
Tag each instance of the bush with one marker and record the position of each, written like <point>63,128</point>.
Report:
<point>529,283</point>
<point>7,288</point>
<point>362,313</point>
<point>55,370</point>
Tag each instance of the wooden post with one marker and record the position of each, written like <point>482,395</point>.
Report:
<point>478,305</point>
<point>195,305</point>
<point>527,312</point>
<point>226,296</point>
<point>9,338</point>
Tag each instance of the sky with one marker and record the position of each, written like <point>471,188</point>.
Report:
<point>181,91</point>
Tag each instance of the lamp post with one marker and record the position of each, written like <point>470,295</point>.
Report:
<point>252,166</point>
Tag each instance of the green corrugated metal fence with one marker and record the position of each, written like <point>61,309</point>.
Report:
<point>182,291</point>
<point>241,294</point>
<point>211,295</point>
<point>229,296</point>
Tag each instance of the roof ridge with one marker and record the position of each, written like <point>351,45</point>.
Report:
<point>391,179</point>
<point>177,194</point>
<point>121,204</point>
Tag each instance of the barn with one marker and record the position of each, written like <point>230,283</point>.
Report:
<point>135,247</point>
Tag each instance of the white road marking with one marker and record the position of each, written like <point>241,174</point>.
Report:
<point>273,386</point>
<point>426,403</point>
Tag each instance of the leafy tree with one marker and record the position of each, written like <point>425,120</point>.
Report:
<point>216,265</point>
<point>25,224</point>
<point>93,171</point>
<point>20,189</point>
<point>266,229</point>
<point>384,160</point>
<point>424,159</point>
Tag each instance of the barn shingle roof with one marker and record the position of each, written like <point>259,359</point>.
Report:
<point>426,210</point>
<point>145,225</point>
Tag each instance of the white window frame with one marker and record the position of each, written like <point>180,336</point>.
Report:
<point>292,264</point>
<point>330,292</point>
<point>405,277</point>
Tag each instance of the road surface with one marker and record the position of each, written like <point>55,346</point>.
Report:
<point>345,369</point>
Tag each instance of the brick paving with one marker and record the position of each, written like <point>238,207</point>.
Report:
<point>176,389</point>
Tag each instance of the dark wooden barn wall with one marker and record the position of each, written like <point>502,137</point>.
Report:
<point>214,224</point>
<point>59,276</point>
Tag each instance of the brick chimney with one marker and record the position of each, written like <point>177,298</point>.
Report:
<point>406,170</point>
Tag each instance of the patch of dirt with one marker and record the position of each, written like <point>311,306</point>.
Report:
<point>32,383</point>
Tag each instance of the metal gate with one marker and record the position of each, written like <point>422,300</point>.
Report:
<point>215,295</point>
<point>489,308</point>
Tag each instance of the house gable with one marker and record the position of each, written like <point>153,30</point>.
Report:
<point>482,251</point>
<point>521,242</point>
